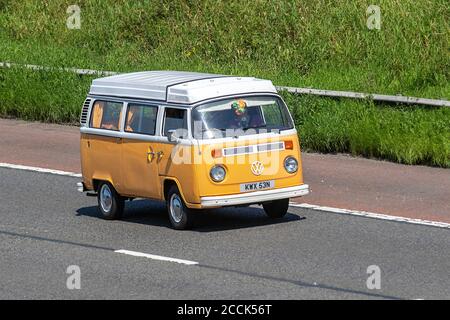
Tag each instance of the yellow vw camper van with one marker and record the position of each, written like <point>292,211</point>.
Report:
<point>193,140</point>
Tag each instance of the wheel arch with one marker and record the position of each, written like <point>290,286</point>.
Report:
<point>167,183</point>
<point>96,179</point>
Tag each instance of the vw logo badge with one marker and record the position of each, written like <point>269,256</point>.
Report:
<point>257,168</point>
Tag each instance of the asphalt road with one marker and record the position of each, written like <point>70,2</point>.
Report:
<point>46,226</point>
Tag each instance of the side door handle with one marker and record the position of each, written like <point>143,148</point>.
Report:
<point>150,154</point>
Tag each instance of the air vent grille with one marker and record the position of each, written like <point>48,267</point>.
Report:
<point>84,112</point>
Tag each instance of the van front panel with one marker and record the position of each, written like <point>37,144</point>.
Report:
<point>237,158</point>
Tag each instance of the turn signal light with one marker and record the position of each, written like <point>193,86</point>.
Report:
<point>216,153</point>
<point>289,145</point>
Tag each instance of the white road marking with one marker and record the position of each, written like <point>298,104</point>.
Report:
<point>372,215</point>
<point>37,169</point>
<point>155,257</point>
<point>293,204</point>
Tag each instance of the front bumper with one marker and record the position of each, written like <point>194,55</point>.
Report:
<point>81,187</point>
<point>254,197</point>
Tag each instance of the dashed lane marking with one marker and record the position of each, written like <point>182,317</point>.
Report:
<point>155,257</point>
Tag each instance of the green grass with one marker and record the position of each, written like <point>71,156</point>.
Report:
<point>323,44</point>
<point>44,96</point>
<point>411,135</point>
<point>406,134</point>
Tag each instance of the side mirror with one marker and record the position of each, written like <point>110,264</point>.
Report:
<point>171,134</point>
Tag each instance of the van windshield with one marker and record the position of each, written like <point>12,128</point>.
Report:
<point>240,116</point>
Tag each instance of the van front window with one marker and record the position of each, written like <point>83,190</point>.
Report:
<point>240,116</point>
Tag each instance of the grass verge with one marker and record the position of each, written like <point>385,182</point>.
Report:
<point>403,134</point>
<point>324,44</point>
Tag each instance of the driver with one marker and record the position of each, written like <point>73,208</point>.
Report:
<point>240,117</point>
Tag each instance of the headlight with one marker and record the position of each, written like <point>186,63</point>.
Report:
<point>290,164</point>
<point>217,173</point>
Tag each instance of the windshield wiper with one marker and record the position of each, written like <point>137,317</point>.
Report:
<point>219,129</point>
<point>256,127</point>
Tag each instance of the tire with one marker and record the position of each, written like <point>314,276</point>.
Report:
<point>180,216</point>
<point>277,208</point>
<point>110,203</point>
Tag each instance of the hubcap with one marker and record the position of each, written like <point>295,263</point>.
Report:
<point>176,208</point>
<point>106,198</point>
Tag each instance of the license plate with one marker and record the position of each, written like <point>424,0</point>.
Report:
<point>255,186</point>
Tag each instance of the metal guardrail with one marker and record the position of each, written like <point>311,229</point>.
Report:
<point>89,72</point>
<point>317,92</point>
<point>372,96</point>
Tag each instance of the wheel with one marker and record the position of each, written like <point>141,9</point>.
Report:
<point>277,208</point>
<point>179,214</point>
<point>110,203</point>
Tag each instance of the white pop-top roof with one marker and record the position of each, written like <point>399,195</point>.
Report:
<point>177,86</point>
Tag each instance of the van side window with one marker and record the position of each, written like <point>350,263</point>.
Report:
<point>141,119</point>
<point>106,115</point>
<point>175,119</point>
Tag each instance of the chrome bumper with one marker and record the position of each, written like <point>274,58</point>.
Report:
<point>80,187</point>
<point>254,197</point>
